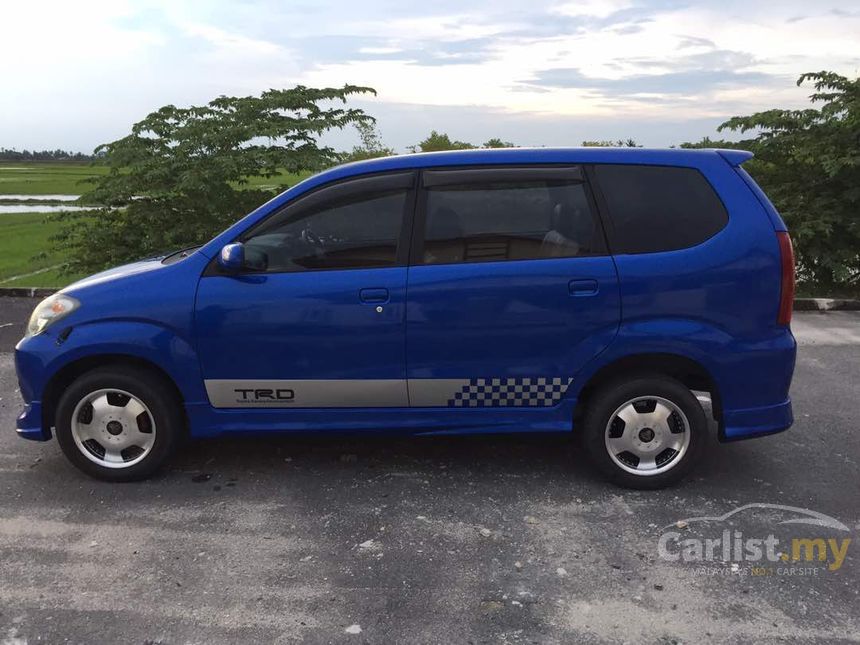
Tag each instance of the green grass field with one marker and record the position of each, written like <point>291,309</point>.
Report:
<point>38,178</point>
<point>25,247</point>
<point>27,258</point>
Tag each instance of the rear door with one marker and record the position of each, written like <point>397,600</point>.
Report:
<point>510,289</point>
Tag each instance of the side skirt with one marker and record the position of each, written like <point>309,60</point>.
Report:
<point>206,421</point>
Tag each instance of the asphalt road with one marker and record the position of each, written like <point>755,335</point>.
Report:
<point>487,539</point>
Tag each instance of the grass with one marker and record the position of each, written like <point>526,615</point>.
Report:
<point>46,178</point>
<point>52,279</point>
<point>25,248</point>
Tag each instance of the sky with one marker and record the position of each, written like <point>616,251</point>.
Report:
<point>545,73</point>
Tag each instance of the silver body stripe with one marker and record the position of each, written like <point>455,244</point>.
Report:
<point>323,393</point>
<point>433,392</point>
<point>387,393</point>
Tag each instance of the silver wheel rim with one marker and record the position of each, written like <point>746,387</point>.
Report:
<point>113,428</point>
<point>647,436</point>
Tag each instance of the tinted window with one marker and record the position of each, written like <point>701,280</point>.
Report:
<point>508,221</point>
<point>656,208</point>
<point>361,231</point>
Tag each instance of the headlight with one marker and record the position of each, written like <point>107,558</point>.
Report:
<point>49,311</point>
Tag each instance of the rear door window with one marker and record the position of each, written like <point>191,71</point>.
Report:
<point>486,215</point>
<point>659,208</point>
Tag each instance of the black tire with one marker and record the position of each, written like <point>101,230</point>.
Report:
<point>601,411</point>
<point>158,396</point>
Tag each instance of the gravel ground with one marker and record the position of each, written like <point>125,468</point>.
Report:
<point>436,540</point>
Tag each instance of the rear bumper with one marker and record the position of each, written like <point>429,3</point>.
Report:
<point>29,423</point>
<point>756,422</point>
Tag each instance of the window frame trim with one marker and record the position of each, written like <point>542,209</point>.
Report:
<point>445,176</point>
<point>533,172</point>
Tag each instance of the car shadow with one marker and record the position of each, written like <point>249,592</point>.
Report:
<point>511,453</point>
<point>551,458</point>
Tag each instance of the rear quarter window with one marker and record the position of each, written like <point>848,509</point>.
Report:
<point>659,208</point>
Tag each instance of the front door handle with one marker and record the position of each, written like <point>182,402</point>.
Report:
<point>373,296</point>
<point>582,287</point>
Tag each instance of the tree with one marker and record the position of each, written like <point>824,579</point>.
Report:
<point>808,162</point>
<point>619,143</point>
<point>7,154</point>
<point>498,143</point>
<point>436,142</point>
<point>371,144</point>
<point>707,142</point>
<point>182,174</point>
<point>440,141</point>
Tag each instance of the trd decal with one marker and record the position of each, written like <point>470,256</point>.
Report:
<point>264,394</point>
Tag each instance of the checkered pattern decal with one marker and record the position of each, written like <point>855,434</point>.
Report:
<point>510,392</point>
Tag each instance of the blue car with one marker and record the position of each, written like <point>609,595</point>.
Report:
<point>600,292</point>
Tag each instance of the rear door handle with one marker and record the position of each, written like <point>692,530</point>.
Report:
<point>373,296</point>
<point>582,287</point>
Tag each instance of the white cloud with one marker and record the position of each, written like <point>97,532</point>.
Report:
<point>76,74</point>
<point>228,43</point>
<point>593,8</point>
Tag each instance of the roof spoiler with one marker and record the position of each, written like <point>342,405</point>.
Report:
<point>735,157</point>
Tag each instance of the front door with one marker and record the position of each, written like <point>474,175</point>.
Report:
<point>320,323</point>
<point>511,289</point>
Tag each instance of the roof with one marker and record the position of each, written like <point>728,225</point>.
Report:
<point>659,156</point>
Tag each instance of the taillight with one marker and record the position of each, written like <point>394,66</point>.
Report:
<point>786,296</point>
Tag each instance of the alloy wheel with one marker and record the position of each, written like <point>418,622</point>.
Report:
<point>113,428</point>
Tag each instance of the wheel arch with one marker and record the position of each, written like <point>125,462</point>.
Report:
<point>71,371</point>
<point>682,368</point>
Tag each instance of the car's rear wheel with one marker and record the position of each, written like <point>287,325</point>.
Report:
<point>118,423</point>
<point>645,432</point>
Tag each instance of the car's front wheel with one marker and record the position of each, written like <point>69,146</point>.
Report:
<point>118,423</point>
<point>645,432</point>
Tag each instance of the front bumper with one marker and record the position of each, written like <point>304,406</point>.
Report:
<point>29,423</point>
<point>30,362</point>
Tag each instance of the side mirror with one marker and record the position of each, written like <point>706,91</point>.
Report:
<point>232,257</point>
